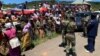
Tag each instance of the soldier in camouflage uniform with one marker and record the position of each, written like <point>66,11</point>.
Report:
<point>37,27</point>
<point>70,36</point>
<point>84,22</point>
<point>68,13</point>
<point>49,27</point>
<point>63,26</point>
<point>64,29</point>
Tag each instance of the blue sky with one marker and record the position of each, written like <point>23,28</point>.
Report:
<point>21,1</point>
<point>14,1</point>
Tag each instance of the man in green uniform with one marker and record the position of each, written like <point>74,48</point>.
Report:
<point>64,22</point>
<point>70,36</point>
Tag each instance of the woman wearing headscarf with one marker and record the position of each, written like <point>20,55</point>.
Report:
<point>10,35</point>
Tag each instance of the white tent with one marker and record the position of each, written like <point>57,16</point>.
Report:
<point>80,2</point>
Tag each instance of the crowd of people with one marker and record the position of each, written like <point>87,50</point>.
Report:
<point>18,31</point>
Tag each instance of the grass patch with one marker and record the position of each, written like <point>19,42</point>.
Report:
<point>39,41</point>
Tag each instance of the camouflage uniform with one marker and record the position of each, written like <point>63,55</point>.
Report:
<point>49,28</point>
<point>70,36</point>
<point>37,28</point>
<point>64,22</point>
<point>37,24</point>
<point>68,14</point>
<point>84,22</point>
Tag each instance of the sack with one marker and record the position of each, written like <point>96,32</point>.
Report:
<point>14,42</point>
<point>70,36</point>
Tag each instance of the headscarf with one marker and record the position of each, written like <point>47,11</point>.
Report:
<point>8,25</point>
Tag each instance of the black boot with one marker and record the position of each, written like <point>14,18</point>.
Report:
<point>62,45</point>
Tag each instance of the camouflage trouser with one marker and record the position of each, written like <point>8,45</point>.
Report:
<point>85,31</point>
<point>48,33</point>
<point>63,36</point>
<point>70,40</point>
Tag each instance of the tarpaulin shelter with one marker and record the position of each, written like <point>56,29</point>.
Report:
<point>80,2</point>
